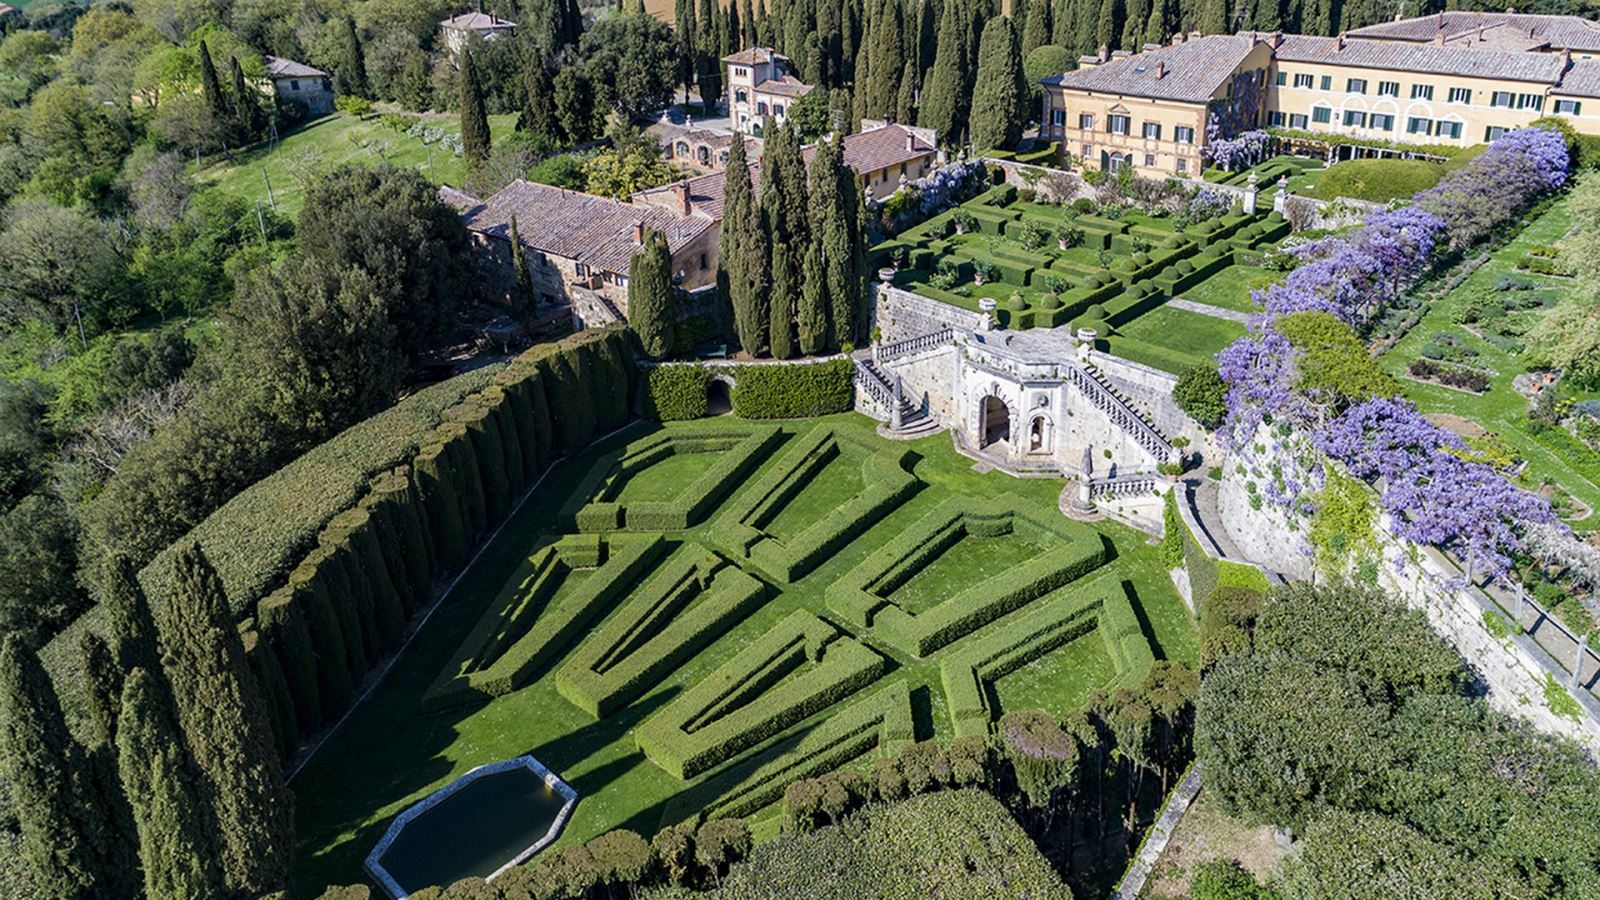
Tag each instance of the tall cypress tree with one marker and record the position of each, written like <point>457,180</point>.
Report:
<point>225,727</point>
<point>996,121</point>
<point>747,24</point>
<point>742,254</point>
<point>1108,24</point>
<point>102,685</point>
<point>684,28</point>
<point>538,114</point>
<point>523,296</point>
<point>350,75</point>
<point>783,203</point>
<point>1036,31</point>
<point>889,60</point>
<point>1213,17</point>
<point>248,115</point>
<point>216,101</point>
<point>836,237</point>
<point>941,96</point>
<point>175,846</point>
<point>650,295</point>
<point>811,318</point>
<point>63,835</point>
<point>905,107</point>
<point>474,117</point>
<point>1155,27</point>
<point>129,622</point>
<point>1135,14</point>
<point>708,61</point>
<point>735,31</point>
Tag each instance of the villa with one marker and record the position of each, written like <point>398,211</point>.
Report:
<point>294,82</point>
<point>760,83</point>
<point>455,31</point>
<point>1156,110</point>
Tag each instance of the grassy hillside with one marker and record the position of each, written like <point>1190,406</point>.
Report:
<point>332,140</point>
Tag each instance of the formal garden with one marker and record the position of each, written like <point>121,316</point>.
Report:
<point>687,619</point>
<point>1112,267</point>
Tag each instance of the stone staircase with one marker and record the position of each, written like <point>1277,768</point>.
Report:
<point>1121,411</point>
<point>914,422</point>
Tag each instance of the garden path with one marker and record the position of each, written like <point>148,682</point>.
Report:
<point>1203,309</point>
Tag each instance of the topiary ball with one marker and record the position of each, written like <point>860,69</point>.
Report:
<point>1015,303</point>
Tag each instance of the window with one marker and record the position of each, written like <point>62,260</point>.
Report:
<point>1149,160</point>
<point>704,263</point>
<point>777,110</point>
<point>1183,165</point>
<point>1118,124</point>
<point>1058,118</point>
<point>1297,120</point>
<point>902,170</point>
<point>1568,107</point>
<point>1303,80</point>
<point>740,71</point>
<point>1088,151</point>
<point>1086,121</point>
<point>1460,95</point>
<point>1501,98</point>
<point>582,269</point>
<point>1416,125</point>
<point>761,108</point>
<point>1355,117</point>
<point>1322,115</point>
<point>294,84</point>
<point>1327,83</point>
<point>741,96</point>
<point>1447,130</point>
<point>1382,122</point>
<point>1275,119</point>
<point>1355,85</point>
<point>1152,131</point>
<point>1493,133</point>
<point>1530,101</point>
<point>1422,92</point>
<point>1183,134</point>
<point>1283,78</point>
<point>1388,89</point>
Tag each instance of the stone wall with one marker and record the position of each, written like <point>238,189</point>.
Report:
<point>1150,390</point>
<point>1058,186</point>
<point>931,380</point>
<point>900,314</point>
<point>1264,535</point>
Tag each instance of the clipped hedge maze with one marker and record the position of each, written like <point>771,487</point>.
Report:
<point>1096,604</point>
<point>731,454</point>
<point>518,638</point>
<point>886,483</point>
<point>865,596</point>
<point>689,601</point>
<point>800,667</point>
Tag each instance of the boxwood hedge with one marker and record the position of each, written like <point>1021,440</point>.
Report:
<point>677,391</point>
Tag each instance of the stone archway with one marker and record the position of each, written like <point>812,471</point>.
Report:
<point>994,421</point>
<point>719,395</point>
<point>1041,433</point>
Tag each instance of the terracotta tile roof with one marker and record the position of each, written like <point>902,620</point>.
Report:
<point>1559,32</point>
<point>1192,72</point>
<point>1427,58</point>
<point>668,133</point>
<point>1582,80</point>
<point>278,67</point>
<point>477,21</point>
<point>7,9</point>
<point>867,151</point>
<point>754,55</point>
<point>458,200</point>
<point>593,230</point>
<point>787,86</point>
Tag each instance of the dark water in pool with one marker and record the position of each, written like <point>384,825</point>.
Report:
<point>477,830</point>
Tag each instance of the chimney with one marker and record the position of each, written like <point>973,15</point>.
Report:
<point>1177,38</point>
<point>911,142</point>
<point>1438,39</point>
<point>1275,40</point>
<point>638,234</point>
<point>1161,70</point>
<point>1566,60</point>
<point>1341,40</point>
<point>1105,53</point>
<point>681,191</point>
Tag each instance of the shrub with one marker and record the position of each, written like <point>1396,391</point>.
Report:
<point>794,391</point>
<point>675,393</point>
<point>1083,206</point>
<point>1033,235</point>
<point>1379,180</point>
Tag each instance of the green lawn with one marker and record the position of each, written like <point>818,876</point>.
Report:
<point>1554,455</point>
<point>1230,288</point>
<point>1174,339</point>
<point>388,754</point>
<point>332,140</point>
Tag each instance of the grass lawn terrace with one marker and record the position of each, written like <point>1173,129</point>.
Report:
<point>390,754</point>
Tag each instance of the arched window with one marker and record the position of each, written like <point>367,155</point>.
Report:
<point>704,155</point>
<point>682,148</point>
<point>741,96</point>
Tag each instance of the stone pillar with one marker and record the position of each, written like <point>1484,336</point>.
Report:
<point>1280,201</point>
<point>896,420</point>
<point>1250,194</point>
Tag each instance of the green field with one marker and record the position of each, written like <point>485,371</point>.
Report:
<point>389,753</point>
<point>1115,281</point>
<point>1553,454</point>
<point>330,141</point>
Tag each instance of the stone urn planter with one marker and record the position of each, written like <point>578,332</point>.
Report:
<point>960,228</point>
<point>977,278</point>
<point>1087,335</point>
<point>886,274</point>
<point>987,304</point>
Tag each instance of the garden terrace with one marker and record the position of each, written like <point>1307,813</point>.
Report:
<point>1108,269</point>
<point>671,676</point>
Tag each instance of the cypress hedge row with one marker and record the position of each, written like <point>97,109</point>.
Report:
<point>685,604</point>
<point>510,645</point>
<point>676,392</point>
<point>799,667</point>
<point>594,507</point>
<point>886,479</point>
<point>346,605</point>
<point>881,720</point>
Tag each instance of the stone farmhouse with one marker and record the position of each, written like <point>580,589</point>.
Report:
<point>294,82</point>
<point>1461,85</point>
<point>455,31</point>
<point>760,83</point>
<point>578,247</point>
<point>701,149</point>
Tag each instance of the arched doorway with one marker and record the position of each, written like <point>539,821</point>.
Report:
<point>719,397</point>
<point>1040,437</point>
<point>994,421</point>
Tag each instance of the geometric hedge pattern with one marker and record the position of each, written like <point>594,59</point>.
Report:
<point>612,610</point>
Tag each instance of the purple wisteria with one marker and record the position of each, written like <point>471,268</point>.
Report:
<point>1432,494</point>
<point>1239,152</point>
